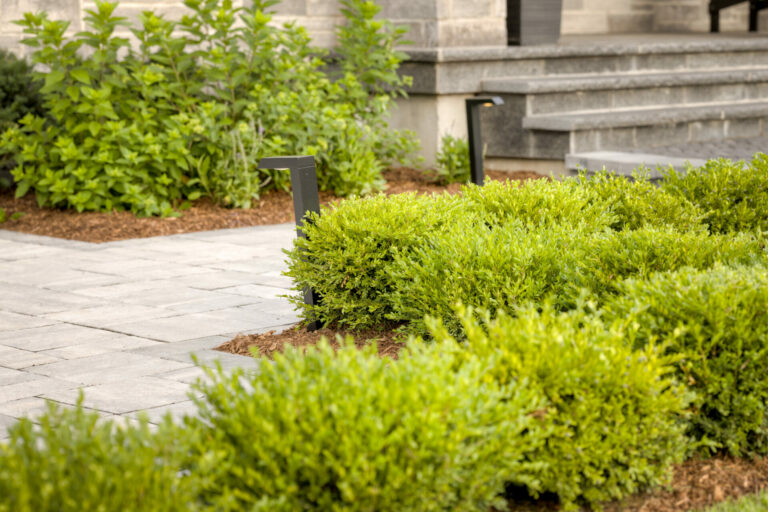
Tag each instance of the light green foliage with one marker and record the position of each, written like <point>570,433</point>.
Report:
<point>539,203</point>
<point>350,249</point>
<point>453,160</point>
<point>608,257</point>
<point>383,261</point>
<point>74,461</point>
<point>638,202</point>
<point>193,109</point>
<point>717,320</point>
<point>612,412</point>
<point>503,266</point>
<point>757,503</point>
<point>733,195</point>
<point>495,268</point>
<point>351,431</point>
<point>19,96</point>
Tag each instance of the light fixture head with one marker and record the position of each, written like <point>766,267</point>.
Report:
<point>490,101</point>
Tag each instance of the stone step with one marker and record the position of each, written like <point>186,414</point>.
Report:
<point>462,70</point>
<point>573,93</point>
<point>555,135</point>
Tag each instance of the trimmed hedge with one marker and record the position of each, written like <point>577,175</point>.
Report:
<point>351,431</point>
<point>75,461</point>
<point>717,320</point>
<point>733,195</point>
<point>382,262</point>
<point>612,412</point>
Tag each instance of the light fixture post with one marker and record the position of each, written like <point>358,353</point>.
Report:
<point>306,200</point>
<point>475,138</point>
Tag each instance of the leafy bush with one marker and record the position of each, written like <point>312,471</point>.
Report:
<point>717,321</point>
<point>351,431</point>
<point>453,160</point>
<point>349,250</point>
<point>19,92</point>
<point>383,261</point>
<point>19,96</point>
<point>638,202</point>
<point>507,265</point>
<point>733,195</point>
<point>193,109</point>
<point>74,461</point>
<point>612,412</point>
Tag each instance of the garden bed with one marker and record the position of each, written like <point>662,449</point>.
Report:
<point>203,215</point>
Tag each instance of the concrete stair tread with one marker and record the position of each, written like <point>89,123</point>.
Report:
<point>613,81</point>
<point>621,118</point>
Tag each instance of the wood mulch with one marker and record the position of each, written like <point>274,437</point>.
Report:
<point>273,208</point>
<point>696,484</point>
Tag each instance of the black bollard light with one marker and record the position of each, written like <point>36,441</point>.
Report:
<point>477,175</point>
<point>306,200</point>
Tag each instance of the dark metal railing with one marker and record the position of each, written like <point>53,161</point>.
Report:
<point>715,6</point>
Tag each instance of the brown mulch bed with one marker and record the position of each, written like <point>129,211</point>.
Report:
<point>388,343</point>
<point>273,208</point>
<point>697,483</point>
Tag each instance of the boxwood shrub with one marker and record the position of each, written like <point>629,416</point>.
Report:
<point>733,195</point>
<point>351,431</point>
<point>613,413</point>
<point>716,320</point>
<point>382,261</point>
<point>74,461</point>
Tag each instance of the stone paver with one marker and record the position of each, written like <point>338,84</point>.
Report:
<point>121,320</point>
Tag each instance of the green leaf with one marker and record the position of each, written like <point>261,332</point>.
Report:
<point>81,75</point>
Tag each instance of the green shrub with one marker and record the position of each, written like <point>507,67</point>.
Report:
<point>74,461</point>
<point>350,249</point>
<point>717,321</point>
<point>453,160</point>
<point>608,257</point>
<point>733,195</point>
<point>538,203</point>
<point>352,431</point>
<point>19,92</point>
<point>506,265</point>
<point>193,109</point>
<point>19,96</point>
<point>637,202</point>
<point>613,413</point>
<point>379,262</point>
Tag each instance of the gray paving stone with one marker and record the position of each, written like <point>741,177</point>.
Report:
<point>53,336</point>
<point>17,359</point>
<point>127,395</point>
<point>119,342</point>
<point>5,423</point>
<point>18,298</point>
<point>31,408</point>
<point>180,350</point>
<point>257,290</point>
<point>10,376</point>
<point>10,250</point>
<point>36,387</point>
<point>118,291</point>
<point>179,328</point>
<point>108,367</point>
<point>214,301</point>
<point>111,314</point>
<point>14,321</point>
<point>217,279</point>
<point>177,412</point>
<point>168,296</point>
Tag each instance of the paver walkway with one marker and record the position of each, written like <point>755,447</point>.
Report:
<point>119,320</point>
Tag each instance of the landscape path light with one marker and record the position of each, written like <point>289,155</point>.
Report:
<point>477,175</point>
<point>306,200</point>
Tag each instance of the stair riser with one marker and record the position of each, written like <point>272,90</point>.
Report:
<point>549,144</point>
<point>465,77</point>
<point>563,102</point>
